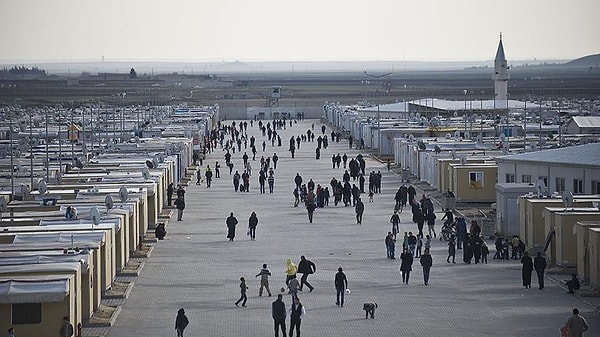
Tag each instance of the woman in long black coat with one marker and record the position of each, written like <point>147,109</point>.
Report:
<point>406,265</point>
<point>468,249</point>
<point>527,263</point>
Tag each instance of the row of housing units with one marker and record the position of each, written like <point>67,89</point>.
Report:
<point>73,219</point>
<point>547,194</point>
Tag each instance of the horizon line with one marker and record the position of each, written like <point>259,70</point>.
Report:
<point>224,61</point>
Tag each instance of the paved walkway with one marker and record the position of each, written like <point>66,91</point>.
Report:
<point>198,269</point>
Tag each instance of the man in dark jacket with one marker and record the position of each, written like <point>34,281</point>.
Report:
<point>181,322</point>
<point>66,329</point>
<point>180,204</point>
<point>426,263</point>
<point>297,312</point>
<point>231,223</point>
<point>278,313</point>
<point>310,207</point>
<point>306,267</point>
<point>360,208</point>
<point>341,284</point>
<point>298,180</point>
<point>539,264</point>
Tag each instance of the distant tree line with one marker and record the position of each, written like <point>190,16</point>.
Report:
<point>23,71</point>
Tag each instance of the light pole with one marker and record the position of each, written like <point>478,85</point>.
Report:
<point>30,148</point>
<point>540,145</point>
<point>525,126</point>
<point>47,141</point>
<point>12,165</point>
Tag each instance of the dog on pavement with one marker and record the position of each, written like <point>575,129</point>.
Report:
<point>369,309</point>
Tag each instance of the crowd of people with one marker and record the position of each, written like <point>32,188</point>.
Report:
<point>346,188</point>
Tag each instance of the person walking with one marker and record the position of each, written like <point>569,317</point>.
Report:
<point>310,207</point>
<point>170,191</point>
<point>406,265</point>
<point>208,175</point>
<point>217,170</point>
<point>243,298</point>
<point>252,223</point>
<point>419,246</point>
<point>485,251</point>
<point>539,264</point>
<point>390,245</point>
<point>359,208</point>
<point>527,263</point>
<point>293,286</point>
<point>271,182</point>
<point>297,313</point>
<point>231,223</point>
<point>431,223</point>
<point>66,329</point>
<point>264,279</point>
<point>181,322</point>
<point>341,284</point>
<point>394,220</point>
<point>306,267</point>
<point>412,243</point>
<point>180,205</point>
<point>290,271</point>
<point>451,249</point>
<point>236,181</point>
<point>278,313</point>
<point>426,263</point>
<point>576,324</point>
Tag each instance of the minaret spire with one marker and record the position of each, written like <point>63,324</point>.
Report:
<point>501,76</point>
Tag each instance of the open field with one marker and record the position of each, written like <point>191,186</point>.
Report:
<point>298,88</point>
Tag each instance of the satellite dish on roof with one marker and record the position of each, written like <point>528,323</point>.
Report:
<point>421,146</point>
<point>95,215</point>
<point>567,198</point>
<point>456,134</point>
<point>411,137</point>
<point>541,188</point>
<point>455,113</point>
<point>161,157</point>
<point>448,136</point>
<point>149,163</point>
<point>463,159</point>
<point>108,202</point>
<point>42,188</point>
<point>154,162</point>
<point>24,191</point>
<point>78,163</point>
<point>123,194</point>
<point>453,154</point>
<point>437,149</point>
<point>146,173</point>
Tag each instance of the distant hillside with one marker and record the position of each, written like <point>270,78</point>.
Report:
<point>586,61</point>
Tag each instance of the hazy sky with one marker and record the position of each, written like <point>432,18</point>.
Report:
<point>252,30</point>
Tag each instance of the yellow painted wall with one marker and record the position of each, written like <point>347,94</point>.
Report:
<point>467,192</point>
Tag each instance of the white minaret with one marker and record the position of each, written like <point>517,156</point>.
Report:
<point>500,77</point>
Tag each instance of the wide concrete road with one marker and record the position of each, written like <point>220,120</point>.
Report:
<point>198,269</point>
